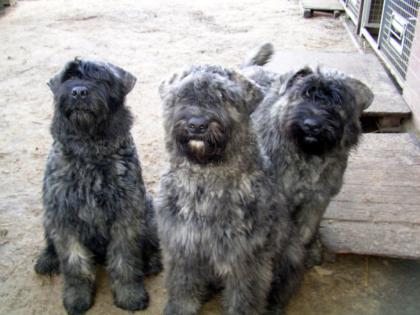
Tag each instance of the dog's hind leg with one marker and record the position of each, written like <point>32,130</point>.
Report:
<point>314,252</point>
<point>152,257</point>
<point>47,262</point>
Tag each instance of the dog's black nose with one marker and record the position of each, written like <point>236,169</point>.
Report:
<point>311,124</point>
<point>197,125</point>
<point>79,92</point>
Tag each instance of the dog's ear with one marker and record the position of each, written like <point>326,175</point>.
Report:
<point>58,78</point>
<point>249,92</point>
<point>362,93</point>
<point>167,84</point>
<point>172,82</point>
<point>54,82</point>
<point>297,76</point>
<point>127,80</point>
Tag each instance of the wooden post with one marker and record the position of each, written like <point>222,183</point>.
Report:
<point>411,91</point>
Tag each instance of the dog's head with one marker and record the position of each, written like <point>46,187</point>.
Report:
<point>206,109</point>
<point>88,93</point>
<point>323,109</point>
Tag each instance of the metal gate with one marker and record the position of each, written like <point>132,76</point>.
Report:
<point>397,32</point>
<point>353,9</point>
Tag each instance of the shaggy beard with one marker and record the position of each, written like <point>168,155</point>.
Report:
<point>315,144</point>
<point>82,120</point>
<point>201,149</point>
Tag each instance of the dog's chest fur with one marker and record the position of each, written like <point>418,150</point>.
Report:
<point>216,218</point>
<point>87,194</point>
<point>311,179</point>
<point>198,191</point>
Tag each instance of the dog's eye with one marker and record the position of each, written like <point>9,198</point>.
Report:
<point>311,92</point>
<point>71,75</point>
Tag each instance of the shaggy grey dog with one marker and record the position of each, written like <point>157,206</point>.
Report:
<point>220,223</point>
<point>96,208</point>
<point>307,125</point>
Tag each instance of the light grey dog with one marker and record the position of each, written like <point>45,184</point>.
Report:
<point>307,125</point>
<point>220,222</point>
<point>96,208</point>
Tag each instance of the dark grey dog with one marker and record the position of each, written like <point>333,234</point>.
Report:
<point>96,209</point>
<point>220,223</point>
<point>307,125</point>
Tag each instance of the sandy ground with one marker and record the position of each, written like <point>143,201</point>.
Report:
<point>151,39</point>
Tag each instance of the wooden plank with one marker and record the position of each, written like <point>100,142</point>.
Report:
<point>366,67</point>
<point>377,211</point>
<point>392,240</point>
<point>322,5</point>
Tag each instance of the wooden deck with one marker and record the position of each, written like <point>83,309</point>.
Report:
<point>388,101</point>
<point>377,211</point>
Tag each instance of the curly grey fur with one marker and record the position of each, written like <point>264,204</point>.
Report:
<point>96,207</point>
<point>307,163</point>
<point>220,223</point>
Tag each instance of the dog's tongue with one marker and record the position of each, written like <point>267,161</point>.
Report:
<point>196,145</point>
<point>197,148</point>
<point>311,140</point>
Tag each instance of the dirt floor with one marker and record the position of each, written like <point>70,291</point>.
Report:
<point>151,39</point>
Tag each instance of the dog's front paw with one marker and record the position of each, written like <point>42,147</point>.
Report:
<point>77,299</point>
<point>47,264</point>
<point>275,311</point>
<point>154,265</point>
<point>306,234</point>
<point>175,309</point>
<point>131,296</point>
<point>182,307</point>
<point>314,254</point>
<point>171,309</point>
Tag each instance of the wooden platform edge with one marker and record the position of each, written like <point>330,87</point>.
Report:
<point>363,238</point>
<point>388,102</point>
<point>401,114</point>
<point>377,211</point>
